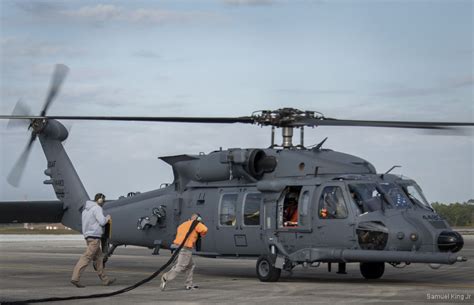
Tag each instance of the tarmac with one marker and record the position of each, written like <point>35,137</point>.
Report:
<point>41,266</point>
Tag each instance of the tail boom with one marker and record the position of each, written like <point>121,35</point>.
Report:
<point>63,177</point>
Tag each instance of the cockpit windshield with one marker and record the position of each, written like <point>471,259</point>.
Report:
<point>367,197</point>
<point>416,196</point>
<point>396,194</point>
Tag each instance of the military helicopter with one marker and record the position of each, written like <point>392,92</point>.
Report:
<point>285,205</point>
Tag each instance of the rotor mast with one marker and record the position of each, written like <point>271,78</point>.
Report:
<point>287,134</point>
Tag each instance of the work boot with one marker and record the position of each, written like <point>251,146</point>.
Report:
<point>163,283</point>
<point>77,284</point>
<point>108,281</point>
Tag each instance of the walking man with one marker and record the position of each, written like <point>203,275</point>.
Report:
<point>93,221</point>
<point>185,260</point>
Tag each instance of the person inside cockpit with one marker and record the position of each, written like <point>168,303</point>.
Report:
<point>356,199</point>
<point>332,204</point>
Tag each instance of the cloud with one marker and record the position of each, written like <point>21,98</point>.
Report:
<point>38,7</point>
<point>446,85</point>
<point>460,82</point>
<point>99,12</point>
<point>316,92</point>
<point>408,92</point>
<point>249,2</point>
<point>146,54</point>
<point>113,13</point>
<point>13,47</point>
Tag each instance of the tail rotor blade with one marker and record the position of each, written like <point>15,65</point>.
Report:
<point>17,171</point>
<point>59,74</point>
<point>20,109</point>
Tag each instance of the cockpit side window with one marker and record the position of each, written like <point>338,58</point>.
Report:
<point>366,197</point>
<point>332,204</point>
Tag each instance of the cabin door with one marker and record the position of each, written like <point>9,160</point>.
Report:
<point>248,236</point>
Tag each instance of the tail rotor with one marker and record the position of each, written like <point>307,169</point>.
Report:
<point>36,125</point>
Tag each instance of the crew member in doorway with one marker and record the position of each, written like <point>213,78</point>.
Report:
<point>290,214</point>
<point>185,261</point>
<point>93,222</point>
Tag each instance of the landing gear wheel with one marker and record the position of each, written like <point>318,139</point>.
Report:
<point>372,271</point>
<point>266,271</point>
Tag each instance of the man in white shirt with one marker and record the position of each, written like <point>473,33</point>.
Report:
<point>93,222</point>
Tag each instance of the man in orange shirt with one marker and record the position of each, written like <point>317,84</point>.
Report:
<point>185,260</point>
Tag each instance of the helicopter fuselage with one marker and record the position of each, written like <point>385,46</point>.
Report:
<point>342,205</point>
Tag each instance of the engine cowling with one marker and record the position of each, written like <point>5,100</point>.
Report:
<point>250,164</point>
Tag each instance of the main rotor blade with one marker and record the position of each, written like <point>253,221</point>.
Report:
<point>212,120</point>
<point>20,109</point>
<point>255,120</point>
<point>17,171</point>
<point>392,124</point>
<point>59,74</point>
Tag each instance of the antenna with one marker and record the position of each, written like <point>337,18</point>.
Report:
<point>317,147</point>
<point>393,167</point>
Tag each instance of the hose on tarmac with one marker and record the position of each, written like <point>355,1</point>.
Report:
<point>113,293</point>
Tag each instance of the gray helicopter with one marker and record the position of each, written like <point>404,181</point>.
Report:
<point>285,205</point>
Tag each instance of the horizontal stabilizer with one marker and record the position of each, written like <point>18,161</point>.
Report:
<point>171,160</point>
<point>31,211</point>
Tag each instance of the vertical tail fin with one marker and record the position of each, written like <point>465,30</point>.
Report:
<point>63,177</point>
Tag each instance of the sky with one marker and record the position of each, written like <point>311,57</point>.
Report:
<point>374,60</point>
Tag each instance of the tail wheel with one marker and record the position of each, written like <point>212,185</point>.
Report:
<point>266,270</point>
<point>372,271</point>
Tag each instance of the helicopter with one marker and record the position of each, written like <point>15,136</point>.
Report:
<point>285,205</point>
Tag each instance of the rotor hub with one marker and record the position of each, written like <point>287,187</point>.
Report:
<point>284,117</point>
<point>38,125</point>
<point>287,119</point>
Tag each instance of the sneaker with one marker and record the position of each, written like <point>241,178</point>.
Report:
<point>108,282</point>
<point>163,283</point>
<point>77,284</point>
<point>192,287</point>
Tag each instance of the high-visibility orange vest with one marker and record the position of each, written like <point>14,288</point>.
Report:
<point>183,230</point>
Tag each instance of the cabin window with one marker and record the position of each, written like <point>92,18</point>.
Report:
<point>332,204</point>
<point>227,214</point>
<point>252,209</point>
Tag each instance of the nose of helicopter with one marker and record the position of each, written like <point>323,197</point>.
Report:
<point>450,241</point>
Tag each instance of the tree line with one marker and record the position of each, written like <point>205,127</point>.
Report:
<point>456,214</point>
